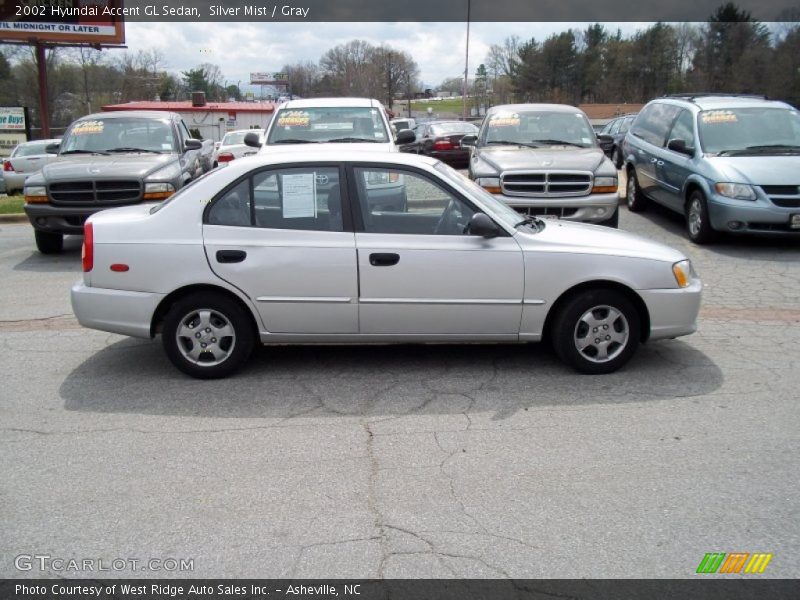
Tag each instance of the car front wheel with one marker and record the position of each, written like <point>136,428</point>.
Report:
<point>207,335</point>
<point>597,331</point>
<point>49,242</point>
<point>698,225</point>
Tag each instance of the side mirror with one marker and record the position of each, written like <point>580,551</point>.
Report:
<point>680,146</point>
<point>604,138</point>
<point>469,140</point>
<point>52,148</point>
<point>406,136</point>
<point>192,145</point>
<point>480,224</point>
<point>251,139</point>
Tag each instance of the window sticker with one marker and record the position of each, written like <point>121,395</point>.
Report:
<point>505,120</point>
<point>333,126</point>
<point>299,195</point>
<point>719,116</point>
<point>296,118</point>
<point>166,146</point>
<point>86,127</point>
<point>585,140</point>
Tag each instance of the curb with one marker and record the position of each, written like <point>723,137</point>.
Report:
<point>14,218</point>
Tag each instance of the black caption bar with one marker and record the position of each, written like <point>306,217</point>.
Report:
<point>408,10</point>
<point>403,589</point>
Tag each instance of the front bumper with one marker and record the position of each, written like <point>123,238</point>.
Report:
<point>60,219</point>
<point>115,311</point>
<point>756,217</point>
<point>673,312</point>
<point>593,208</point>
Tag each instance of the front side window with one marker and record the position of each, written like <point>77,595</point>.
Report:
<point>119,135</point>
<point>334,124</point>
<point>753,131</point>
<point>538,128</point>
<point>395,201</point>
<point>683,129</point>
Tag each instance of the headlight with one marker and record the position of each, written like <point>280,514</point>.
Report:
<point>605,185</point>
<point>738,191</point>
<point>490,184</point>
<point>684,273</point>
<point>36,194</point>
<point>158,191</point>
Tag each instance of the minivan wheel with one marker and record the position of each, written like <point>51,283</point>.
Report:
<point>49,242</point>
<point>207,335</point>
<point>597,331</point>
<point>698,225</point>
<point>633,193</point>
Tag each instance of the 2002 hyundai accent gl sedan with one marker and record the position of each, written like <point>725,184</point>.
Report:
<point>291,249</point>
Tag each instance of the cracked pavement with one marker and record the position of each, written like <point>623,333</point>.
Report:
<point>406,461</point>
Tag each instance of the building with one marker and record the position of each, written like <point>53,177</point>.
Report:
<point>212,119</point>
<point>600,114</point>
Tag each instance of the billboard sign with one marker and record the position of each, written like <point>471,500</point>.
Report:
<point>268,79</point>
<point>73,21</point>
<point>14,128</point>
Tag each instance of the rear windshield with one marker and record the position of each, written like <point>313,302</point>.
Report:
<point>454,128</point>
<point>236,137</point>
<point>30,149</point>
<point>335,124</point>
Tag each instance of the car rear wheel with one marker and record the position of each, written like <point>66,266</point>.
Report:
<point>634,195</point>
<point>207,335</point>
<point>49,242</point>
<point>698,225</point>
<point>597,331</point>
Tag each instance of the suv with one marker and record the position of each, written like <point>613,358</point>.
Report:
<point>616,130</point>
<point>728,163</point>
<point>544,160</point>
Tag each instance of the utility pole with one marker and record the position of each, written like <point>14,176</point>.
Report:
<point>466,64</point>
<point>41,67</point>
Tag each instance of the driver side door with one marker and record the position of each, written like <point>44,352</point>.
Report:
<point>421,273</point>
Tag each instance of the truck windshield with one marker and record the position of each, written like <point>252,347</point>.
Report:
<point>119,134</point>
<point>538,128</point>
<point>333,124</point>
<point>749,131</point>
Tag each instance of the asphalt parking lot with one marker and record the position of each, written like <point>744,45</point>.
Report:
<point>412,461</point>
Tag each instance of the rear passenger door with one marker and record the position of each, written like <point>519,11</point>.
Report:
<point>650,133</point>
<point>281,236</point>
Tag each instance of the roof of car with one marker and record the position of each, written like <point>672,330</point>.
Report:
<point>718,101</point>
<point>330,154</point>
<point>562,108</point>
<point>127,114</point>
<point>331,103</point>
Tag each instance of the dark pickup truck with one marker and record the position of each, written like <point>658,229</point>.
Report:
<point>107,160</point>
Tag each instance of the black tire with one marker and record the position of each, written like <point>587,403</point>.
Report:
<point>234,350</point>
<point>49,242</point>
<point>616,157</point>
<point>621,331</point>
<point>634,197</point>
<point>698,224</point>
<point>613,221</point>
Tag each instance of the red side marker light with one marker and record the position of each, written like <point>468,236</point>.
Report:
<point>119,267</point>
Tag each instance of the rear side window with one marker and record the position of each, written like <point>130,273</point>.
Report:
<point>654,122</point>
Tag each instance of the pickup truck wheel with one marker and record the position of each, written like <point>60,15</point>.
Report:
<point>613,221</point>
<point>207,335</point>
<point>597,331</point>
<point>634,196</point>
<point>48,242</point>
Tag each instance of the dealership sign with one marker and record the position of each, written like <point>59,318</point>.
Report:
<point>268,78</point>
<point>12,118</point>
<point>79,21</point>
<point>14,128</point>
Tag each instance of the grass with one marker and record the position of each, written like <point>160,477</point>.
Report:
<point>11,204</point>
<point>446,105</point>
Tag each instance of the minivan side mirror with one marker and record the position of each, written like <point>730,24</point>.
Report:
<point>480,224</point>
<point>677,145</point>
<point>52,148</point>
<point>251,139</point>
<point>192,144</point>
<point>406,136</point>
<point>469,140</point>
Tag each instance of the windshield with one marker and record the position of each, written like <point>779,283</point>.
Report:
<point>119,134</point>
<point>499,210</point>
<point>335,124</point>
<point>452,128</point>
<point>749,130</point>
<point>538,128</point>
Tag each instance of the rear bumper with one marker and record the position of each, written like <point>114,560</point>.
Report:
<point>451,155</point>
<point>59,219</point>
<point>115,311</point>
<point>673,312</point>
<point>593,208</point>
<point>14,181</point>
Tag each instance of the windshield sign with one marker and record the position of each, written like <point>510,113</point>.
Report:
<point>319,125</point>
<point>538,128</point>
<point>119,135</point>
<point>749,131</point>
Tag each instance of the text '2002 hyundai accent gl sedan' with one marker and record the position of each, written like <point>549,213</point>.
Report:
<point>292,249</point>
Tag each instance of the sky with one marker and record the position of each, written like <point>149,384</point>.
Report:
<point>241,48</point>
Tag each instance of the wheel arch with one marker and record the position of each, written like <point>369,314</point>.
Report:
<point>170,299</point>
<point>692,185</point>
<point>600,284</point>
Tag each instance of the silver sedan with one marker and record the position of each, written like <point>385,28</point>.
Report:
<point>293,248</point>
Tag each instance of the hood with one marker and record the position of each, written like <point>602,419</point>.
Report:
<point>77,167</point>
<point>509,158</point>
<point>757,170</point>
<point>370,147</point>
<point>583,238</point>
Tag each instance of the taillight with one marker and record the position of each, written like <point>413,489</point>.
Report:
<point>225,157</point>
<point>442,145</point>
<point>87,252</point>
<point>7,166</point>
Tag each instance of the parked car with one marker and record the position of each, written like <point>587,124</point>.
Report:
<point>727,163</point>
<point>225,264</point>
<point>616,130</point>
<point>338,124</point>
<point>25,160</point>
<point>544,159</point>
<point>442,140</point>
<point>232,146</point>
<point>110,159</point>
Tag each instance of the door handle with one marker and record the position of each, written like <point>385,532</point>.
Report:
<point>384,259</point>
<point>659,163</point>
<point>231,256</point>
<point>653,160</point>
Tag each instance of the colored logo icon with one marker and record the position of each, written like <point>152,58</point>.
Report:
<point>734,562</point>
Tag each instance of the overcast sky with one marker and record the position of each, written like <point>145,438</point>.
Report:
<point>241,48</point>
